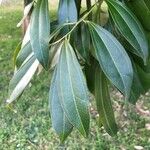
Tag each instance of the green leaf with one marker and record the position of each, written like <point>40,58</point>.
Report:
<point>89,70</point>
<point>144,78</point>
<point>24,54</point>
<point>103,102</point>
<point>137,87</point>
<point>141,10</point>
<point>130,27</point>
<point>54,54</point>
<point>60,122</point>
<point>67,11</point>
<point>40,31</point>
<point>26,50</point>
<point>21,78</point>
<point>112,58</point>
<point>82,41</point>
<point>72,89</point>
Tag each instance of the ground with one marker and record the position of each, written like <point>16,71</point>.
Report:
<point>26,124</point>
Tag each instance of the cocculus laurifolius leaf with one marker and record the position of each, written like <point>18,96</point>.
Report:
<point>72,90</point>
<point>60,122</point>
<point>67,11</point>
<point>112,58</point>
<point>129,27</point>
<point>22,78</point>
<point>40,32</point>
<point>103,102</point>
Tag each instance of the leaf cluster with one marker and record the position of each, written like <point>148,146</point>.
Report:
<point>87,49</point>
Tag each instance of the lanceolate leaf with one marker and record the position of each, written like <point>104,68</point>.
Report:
<point>137,87</point>
<point>67,11</point>
<point>60,122</point>
<point>141,83</point>
<point>21,78</point>
<point>54,55</point>
<point>144,77</point>
<point>129,27</point>
<point>24,49</point>
<point>103,102</point>
<point>112,58</point>
<point>40,31</point>
<point>72,89</point>
<point>24,54</point>
<point>85,41</point>
<point>81,41</point>
<point>90,74</point>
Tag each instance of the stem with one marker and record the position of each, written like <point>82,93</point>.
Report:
<point>82,19</point>
<point>89,5</point>
<point>78,5</point>
<point>97,16</point>
<point>27,20</point>
<point>55,32</point>
<point>26,2</point>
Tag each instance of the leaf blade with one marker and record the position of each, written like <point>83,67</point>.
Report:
<point>73,90</point>
<point>103,103</point>
<point>22,78</point>
<point>40,31</point>
<point>60,122</point>
<point>112,57</point>
<point>67,11</point>
<point>24,53</point>
<point>129,27</point>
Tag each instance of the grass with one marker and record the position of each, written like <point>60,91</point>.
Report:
<point>26,124</point>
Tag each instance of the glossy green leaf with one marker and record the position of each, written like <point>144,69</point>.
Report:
<point>40,32</point>
<point>145,68</point>
<point>112,58</point>
<point>82,41</point>
<point>141,10</point>
<point>144,78</point>
<point>21,78</point>
<point>89,70</point>
<point>72,89</point>
<point>147,3</point>
<point>67,11</point>
<point>60,122</point>
<point>55,54</point>
<point>130,27</point>
<point>137,87</point>
<point>24,54</point>
<point>103,102</point>
<point>26,50</point>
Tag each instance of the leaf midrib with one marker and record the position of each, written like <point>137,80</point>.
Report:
<point>141,49</point>
<point>110,56</point>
